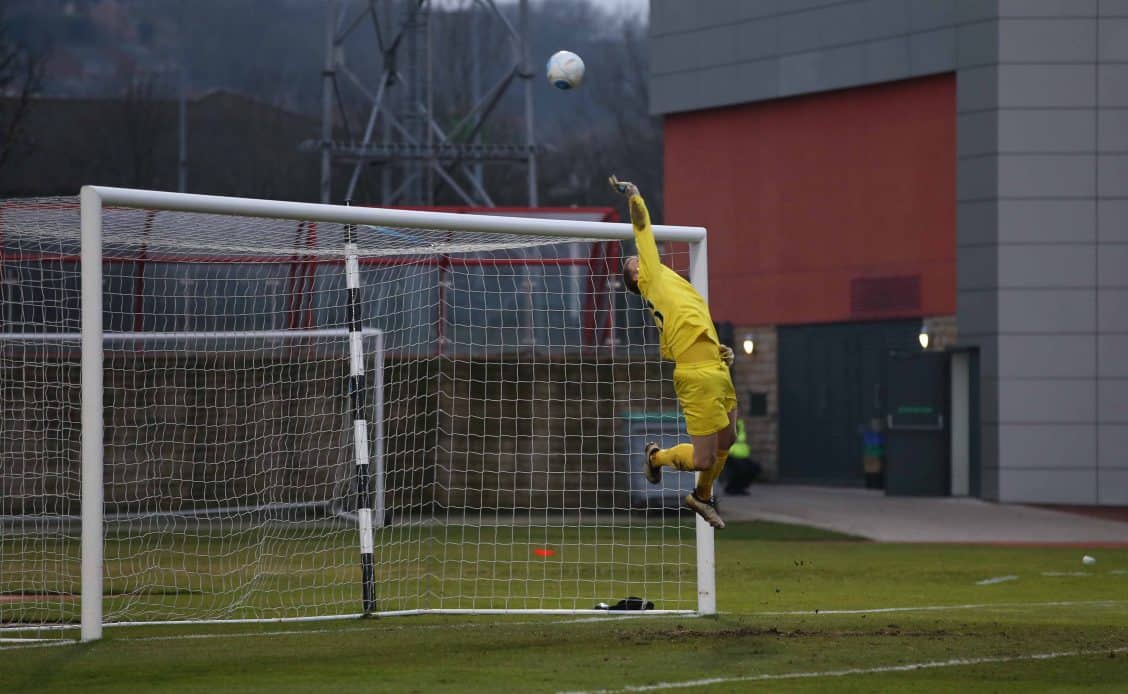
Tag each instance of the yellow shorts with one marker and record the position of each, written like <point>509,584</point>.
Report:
<point>705,391</point>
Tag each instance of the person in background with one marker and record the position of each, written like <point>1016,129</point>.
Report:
<point>740,470</point>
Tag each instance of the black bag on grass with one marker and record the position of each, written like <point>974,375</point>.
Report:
<point>631,603</point>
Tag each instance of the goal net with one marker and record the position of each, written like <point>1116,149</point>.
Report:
<point>292,411</point>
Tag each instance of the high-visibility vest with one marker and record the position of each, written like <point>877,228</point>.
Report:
<point>740,449</point>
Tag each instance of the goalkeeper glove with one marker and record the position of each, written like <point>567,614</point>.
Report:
<point>625,188</point>
<point>727,355</point>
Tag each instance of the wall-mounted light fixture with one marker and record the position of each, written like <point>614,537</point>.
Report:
<point>749,344</point>
<point>923,337</point>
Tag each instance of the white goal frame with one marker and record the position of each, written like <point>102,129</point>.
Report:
<point>94,198</point>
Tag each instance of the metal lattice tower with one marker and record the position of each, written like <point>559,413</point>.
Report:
<point>400,140</point>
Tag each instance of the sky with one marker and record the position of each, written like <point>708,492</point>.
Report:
<point>639,8</point>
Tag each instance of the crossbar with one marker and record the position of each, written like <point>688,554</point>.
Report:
<point>95,198</point>
<point>378,216</point>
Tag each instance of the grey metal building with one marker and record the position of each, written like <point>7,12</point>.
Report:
<point>1041,192</point>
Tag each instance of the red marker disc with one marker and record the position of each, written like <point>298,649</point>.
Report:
<point>543,552</point>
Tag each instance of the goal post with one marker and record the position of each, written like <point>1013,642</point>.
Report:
<point>91,422</point>
<point>706,563</point>
<point>231,454</point>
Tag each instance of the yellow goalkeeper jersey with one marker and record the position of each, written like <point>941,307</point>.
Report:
<point>679,311</point>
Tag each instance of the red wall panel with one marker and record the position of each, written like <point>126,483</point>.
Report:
<point>808,198</point>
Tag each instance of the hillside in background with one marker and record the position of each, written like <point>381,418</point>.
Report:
<point>272,52</point>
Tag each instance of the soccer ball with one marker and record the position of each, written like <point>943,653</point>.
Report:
<point>565,70</point>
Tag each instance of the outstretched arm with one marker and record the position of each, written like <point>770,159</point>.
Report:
<point>648,258</point>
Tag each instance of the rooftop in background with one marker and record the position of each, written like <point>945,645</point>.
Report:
<point>237,145</point>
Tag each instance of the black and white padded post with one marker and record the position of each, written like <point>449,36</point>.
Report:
<point>360,424</point>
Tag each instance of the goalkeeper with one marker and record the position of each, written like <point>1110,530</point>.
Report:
<point>701,373</point>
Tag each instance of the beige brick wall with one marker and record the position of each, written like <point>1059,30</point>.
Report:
<point>941,331</point>
<point>472,434</point>
<point>185,431</point>
<point>759,372</point>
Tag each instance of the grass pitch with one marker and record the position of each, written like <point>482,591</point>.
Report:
<point>801,610</point>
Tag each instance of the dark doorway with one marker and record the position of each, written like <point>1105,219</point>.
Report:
<point>832,382</point>
<point>918,421</point>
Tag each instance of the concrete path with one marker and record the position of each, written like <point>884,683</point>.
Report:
<point>869,513</point>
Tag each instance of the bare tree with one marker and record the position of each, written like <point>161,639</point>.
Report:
<point>618,134</point>
<point>21,76</point>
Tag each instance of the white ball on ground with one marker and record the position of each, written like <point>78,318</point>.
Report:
<point>1088,561</point>
<point>565,70</point>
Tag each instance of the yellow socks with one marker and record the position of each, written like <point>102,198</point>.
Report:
<point>680,457</point>
<point>706,479</point>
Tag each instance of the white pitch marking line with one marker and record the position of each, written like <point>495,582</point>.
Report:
<point>39,644</point>
<point>996,579</point>
<point>954,662</point>
<point>45,643</point>
<point>1119,571</point>
<point>581,620</point>
<point>191,637</point>
<point>939,608</point>
<point>398,627</point>
<point>1066,573</point>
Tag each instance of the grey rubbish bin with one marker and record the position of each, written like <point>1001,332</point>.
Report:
<point>666,429</point>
